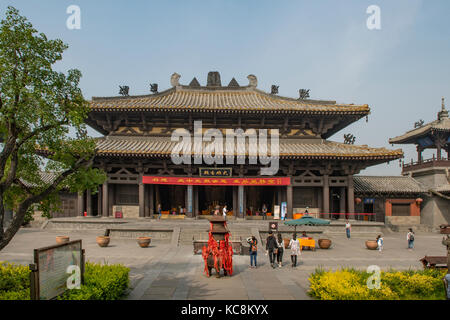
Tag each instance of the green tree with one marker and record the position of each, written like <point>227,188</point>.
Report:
<point>38,108</point>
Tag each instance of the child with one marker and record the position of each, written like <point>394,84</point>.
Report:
<point>380,243</point>
<point>410,238</point>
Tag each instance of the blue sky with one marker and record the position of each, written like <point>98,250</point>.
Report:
<point>401,71</point>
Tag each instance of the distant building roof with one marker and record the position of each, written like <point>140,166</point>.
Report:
<point>387,185</point>
<point>441,124</point>
<point>47,178</point>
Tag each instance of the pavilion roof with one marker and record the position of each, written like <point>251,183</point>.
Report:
<point>387,185</point>
<point>140,146</point>
<point>441,124</point>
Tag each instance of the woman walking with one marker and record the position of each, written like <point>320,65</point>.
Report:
<point>271,248</point>
<point>410,238</point>
<point>280,250</point>
<point>295,250</point>
<point>253,251</point>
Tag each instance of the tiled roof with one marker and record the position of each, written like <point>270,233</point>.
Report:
<point>387,184</point>
<point>47,178</point>
<point>443,188</point>
<point>223,99</point>
<point>289,148</point>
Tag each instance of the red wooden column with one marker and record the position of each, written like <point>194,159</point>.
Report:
<point>151,201</point>
<point>141,199</point>
<point>326,194</point>
<point>351,194</point>
<point>99,201</point>
<point>88,203</point>
<point>105,207</point>
<point>189,200</point>
<point>80,204</point>
<point>289,201</point>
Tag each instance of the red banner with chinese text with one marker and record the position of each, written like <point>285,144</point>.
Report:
<point>274,181</point>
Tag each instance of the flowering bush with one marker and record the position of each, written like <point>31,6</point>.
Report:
<point>14,282</point>
<point>101,282</point>
<point>351,284</point>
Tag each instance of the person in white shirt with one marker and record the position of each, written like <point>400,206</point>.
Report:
<point>224,211</point>
<point>348,228</point>
<point>294,244</point>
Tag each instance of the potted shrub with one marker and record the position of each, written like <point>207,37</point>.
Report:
<point>102,241</point>
<point>371,244</point>
<point>324,243</point>
<point>144,241</point>
<point>62,239</point>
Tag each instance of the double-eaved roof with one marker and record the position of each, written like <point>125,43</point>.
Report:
<point>141,146</point>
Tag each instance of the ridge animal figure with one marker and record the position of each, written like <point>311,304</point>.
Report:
<point>218,254</point>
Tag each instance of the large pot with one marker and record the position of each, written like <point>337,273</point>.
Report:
<point>144,241</point>
<point>62,239</point>
<point>371,244</point>
<point>286,243</point>
<point>102,241</point>
<point>324,243</point>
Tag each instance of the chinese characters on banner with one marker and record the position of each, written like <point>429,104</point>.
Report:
<point>274,181</point>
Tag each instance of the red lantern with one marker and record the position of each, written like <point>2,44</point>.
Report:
<point>419,201</point>
<point>358,200</point>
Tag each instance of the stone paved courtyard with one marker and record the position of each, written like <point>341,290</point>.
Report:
<point>163,271</point>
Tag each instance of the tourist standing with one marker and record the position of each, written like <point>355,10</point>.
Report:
<point>348,228</point>
<point>295,250</point>
<point>410,238</point>
<point>380,243</point>
<point>253,251</point>
<point>271,248</point>
<point>159,211</point>
<point>280,252</point>
<point>224,211</point>
<point>264,211</point>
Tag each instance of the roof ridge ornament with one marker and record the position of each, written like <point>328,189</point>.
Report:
<point>124,90</point>
<point>274,89</point>
<point>174,79</point>
<point>303,93</point>
<point>213,79</point>
<point>194,83</point>
<point>252,81</point>
<point>233,83</point>
<point>443,114</point>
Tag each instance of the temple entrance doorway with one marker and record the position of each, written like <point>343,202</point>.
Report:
<point>211,197</point>
<point>336,203</point>
<point>257,196</point>
<point>171,198</point>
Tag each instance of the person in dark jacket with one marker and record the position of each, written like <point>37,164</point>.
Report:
<point>253,251</point>
<point>271,248</point>
<point>280,243</point>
